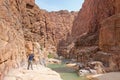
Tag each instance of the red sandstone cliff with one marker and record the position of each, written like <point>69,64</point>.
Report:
<point>89,18</point>
<point>110,31</point>
<point>47,28</point>
<point>109,37</point>
<point>11,35</point>
<point>61,23</point>
<point>86,26</point>
<point>100,21</point>
<point>23,23</point>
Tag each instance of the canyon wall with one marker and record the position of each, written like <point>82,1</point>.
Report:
<point>23,26</point>
<point>96,33</point>
<point>47,28</point>
<point>109,32</point>
<point>109,37</point>
<point>86,26</point>
<point>11,36</point>
<point>94,30</point>
<point>89,19</point>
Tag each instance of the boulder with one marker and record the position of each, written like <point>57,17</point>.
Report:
<point>84,72</point>
<point>51,60</point>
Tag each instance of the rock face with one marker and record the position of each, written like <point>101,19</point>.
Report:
<point>47,28</point>
<point>61,23</point>
<point>86,27</point>
<point>85,30</point>
<point>98,24</point>
<point>95,28</point>
<point>11,36</point>
<point>110,34</point>
<point>89,19</point>
<point>111,26</point>
<point>109,39</point>
<point>22,23</point>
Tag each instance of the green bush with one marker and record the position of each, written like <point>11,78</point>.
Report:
<point>50,55</point>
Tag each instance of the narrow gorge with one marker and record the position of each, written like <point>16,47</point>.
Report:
<point>91,34</point>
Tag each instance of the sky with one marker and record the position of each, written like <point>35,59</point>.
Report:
<point>56,5</point>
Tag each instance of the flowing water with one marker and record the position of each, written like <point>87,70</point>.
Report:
<point>65,72</point>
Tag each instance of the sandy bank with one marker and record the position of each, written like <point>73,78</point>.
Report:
<point>107,76</point>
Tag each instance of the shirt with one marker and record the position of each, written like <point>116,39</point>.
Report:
<point>31,56</point>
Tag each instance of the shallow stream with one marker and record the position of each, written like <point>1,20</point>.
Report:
<point>65,72</point>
